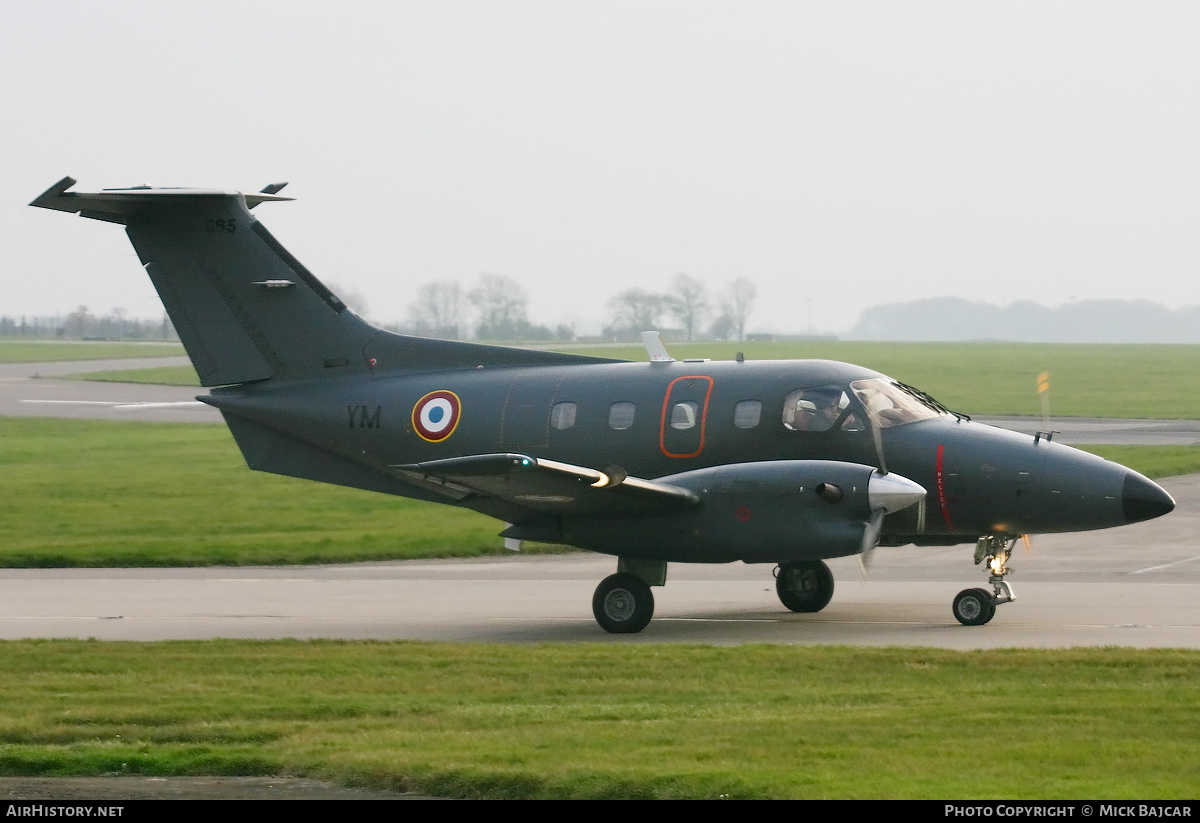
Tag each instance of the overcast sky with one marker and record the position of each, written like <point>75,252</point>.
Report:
<point>838,154</point>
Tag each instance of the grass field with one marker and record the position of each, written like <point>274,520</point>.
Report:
<point>99,493</point>
<point>102,493</point>
<point>975,378</point>
<point>42,351</point>
<point>613,720</point>
<point>158,375</point>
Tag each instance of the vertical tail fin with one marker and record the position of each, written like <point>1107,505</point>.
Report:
<point>244,307</point>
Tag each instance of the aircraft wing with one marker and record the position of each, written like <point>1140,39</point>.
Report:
<point>541,485</point>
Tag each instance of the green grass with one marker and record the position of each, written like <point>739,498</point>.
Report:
<point>161,376</point>
<point>18,351</point>
<point>976,378</point>
<point>613,720</point>
<point>1152,461</point>
<point>102,493</point>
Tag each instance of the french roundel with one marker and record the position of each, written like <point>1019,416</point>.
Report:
<point>435,415</point>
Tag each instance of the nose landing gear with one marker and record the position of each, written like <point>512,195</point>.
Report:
<point>975,607</point>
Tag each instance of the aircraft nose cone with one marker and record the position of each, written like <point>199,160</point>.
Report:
<point>1143,499</point>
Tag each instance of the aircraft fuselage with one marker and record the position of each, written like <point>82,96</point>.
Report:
<point>978,479</point>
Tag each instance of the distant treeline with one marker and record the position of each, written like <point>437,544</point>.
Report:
<point>1087,321</point>
<point>82,325</point>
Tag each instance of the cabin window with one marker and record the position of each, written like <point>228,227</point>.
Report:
<point>562,415</point>
<point>620,415</point>
<point>747,414</point>
<point>683,415</point>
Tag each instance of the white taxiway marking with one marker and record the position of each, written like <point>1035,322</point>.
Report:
<point>1166,565</point>
<point>148,405</point>
<point>117,404</point>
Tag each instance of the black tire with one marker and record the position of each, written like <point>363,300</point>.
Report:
<point>623,604</point>
<point>974,607</point>
<point>804,587</point>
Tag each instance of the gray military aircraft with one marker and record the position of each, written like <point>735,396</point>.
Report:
<point>781,462</point>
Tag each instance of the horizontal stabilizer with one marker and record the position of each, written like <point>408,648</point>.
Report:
<point>118,205</point>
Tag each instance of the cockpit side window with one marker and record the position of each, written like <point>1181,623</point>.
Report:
<point>818,409</point>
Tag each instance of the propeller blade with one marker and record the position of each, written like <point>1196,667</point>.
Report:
<point>870,540</point>
<point>877,436</point>
<point>1028,544</point>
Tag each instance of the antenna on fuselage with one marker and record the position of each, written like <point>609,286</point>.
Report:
<point>1043,388</point>
<point>655,348</point>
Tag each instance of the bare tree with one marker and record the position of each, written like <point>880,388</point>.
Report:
<point>739,302</point>
<point>722,327</point>
<point>687,303</point>
<point>635,310</point>
<point>502,306</point>
<point>80,322</point>
<point>437,310</point>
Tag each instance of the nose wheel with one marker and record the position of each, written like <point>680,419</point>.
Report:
<point>975,607</point>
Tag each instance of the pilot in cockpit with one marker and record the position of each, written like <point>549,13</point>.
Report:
<point>813,409</point>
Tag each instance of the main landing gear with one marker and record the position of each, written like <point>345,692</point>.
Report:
<point>623,602</point>
<point>974,607</point>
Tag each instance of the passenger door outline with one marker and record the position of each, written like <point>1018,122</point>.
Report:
<point>689,442</point>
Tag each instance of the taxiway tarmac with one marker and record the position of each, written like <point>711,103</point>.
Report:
<point>38,390</point>
<point>1134,586</point>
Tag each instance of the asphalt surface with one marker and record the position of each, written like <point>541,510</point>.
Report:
<point>1137,586</point>
<point>37,390</point>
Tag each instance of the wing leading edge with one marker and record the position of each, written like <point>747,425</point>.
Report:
<point>548,486</point>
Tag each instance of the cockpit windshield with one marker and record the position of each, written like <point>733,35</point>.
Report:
<point>890,403</point>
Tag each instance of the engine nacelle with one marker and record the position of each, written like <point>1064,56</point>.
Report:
<point>773,511</point>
